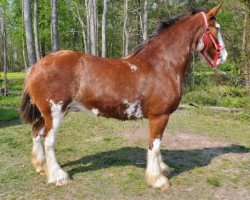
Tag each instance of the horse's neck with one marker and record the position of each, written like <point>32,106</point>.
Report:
<point>173,51</point>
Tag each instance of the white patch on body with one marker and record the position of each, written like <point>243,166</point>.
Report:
<point>133,109</point>
<point>153,172</point>
<point>133,67</point>
<point>55,173</point>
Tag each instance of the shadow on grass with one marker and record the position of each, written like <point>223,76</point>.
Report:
<point>7,123</point>
<point>179,160</point>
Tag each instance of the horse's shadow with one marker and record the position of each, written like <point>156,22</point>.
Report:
<point>179,160</point>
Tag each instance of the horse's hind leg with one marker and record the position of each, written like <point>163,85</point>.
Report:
<point>154,172</point>
<point>52,122</point>
<point>38,155</point>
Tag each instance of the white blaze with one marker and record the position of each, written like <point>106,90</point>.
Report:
<point>223,53</point>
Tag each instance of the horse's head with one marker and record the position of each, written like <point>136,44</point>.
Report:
<point>211,44</point>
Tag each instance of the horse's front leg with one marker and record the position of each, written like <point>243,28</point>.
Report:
<point>154,172</point>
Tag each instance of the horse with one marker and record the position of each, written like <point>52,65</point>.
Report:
<point>144,84</point>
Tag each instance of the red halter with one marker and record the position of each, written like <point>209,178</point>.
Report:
<point>208,37</point>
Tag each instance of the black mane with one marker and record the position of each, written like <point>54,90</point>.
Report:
<point>166,23</point>
<point>163,25</point>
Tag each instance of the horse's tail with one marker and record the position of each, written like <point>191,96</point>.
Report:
<point>29,112</point>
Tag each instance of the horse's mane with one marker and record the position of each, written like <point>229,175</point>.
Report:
<point>162,25</point>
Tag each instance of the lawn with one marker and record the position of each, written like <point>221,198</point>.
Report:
<point>209,155</point>
<point>208,152</point>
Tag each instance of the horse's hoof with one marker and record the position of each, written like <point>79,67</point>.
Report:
<point>41,172</point>
<point>62,182</point>
<point>165,187</point>
<point>59,177</point>
<point>160,182</point>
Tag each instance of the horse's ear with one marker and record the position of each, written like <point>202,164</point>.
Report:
<point>211,13</point>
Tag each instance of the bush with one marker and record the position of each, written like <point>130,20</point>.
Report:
<point>218,96</point>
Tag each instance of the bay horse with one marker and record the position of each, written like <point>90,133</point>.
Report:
<point>145,84</point>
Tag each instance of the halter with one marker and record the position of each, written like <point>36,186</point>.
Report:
<point>208,37</point>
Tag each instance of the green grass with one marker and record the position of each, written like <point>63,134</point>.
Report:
<point>7,114</point>
<point>106,165</point>
<point>214,181</point>
<point>9,105</point>
<point>14,75</point>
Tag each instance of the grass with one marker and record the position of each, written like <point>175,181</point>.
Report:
<point>8,114</point>
<point>106,165</point>
<point>214,181</point>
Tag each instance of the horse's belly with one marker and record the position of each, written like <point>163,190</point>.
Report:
<point>123,110</point>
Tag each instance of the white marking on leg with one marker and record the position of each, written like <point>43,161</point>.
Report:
<point>154,174</point>
<point>55,173</point>
<point>38,154</point>
<point>153,165</point>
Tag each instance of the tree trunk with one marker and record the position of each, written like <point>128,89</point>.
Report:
<point>23,42</point>
<point>54,27</point>
<point>246,66</point>
<point>4,90</point>
<point>28,31</point>
<point>93,26</point>
<point>125,30</point>
<point>104,28</point>
<point>75,11</point>
<point>138,20</point>
<point>145,21</point>
<point>88,26</point>
<point>36,32</point>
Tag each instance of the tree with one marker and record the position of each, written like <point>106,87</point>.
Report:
<point>145,21</point>
<point>125,30</point>
<point>29,33</point>
<point>36,32</point>
<point>54,26</point>
<point>93,32</point>
<point>23,41</point>
<point>74,8</point>
<point>4,90</point>
<point>104,28</point>
<point>138,22</point>
<point>245,61</point>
